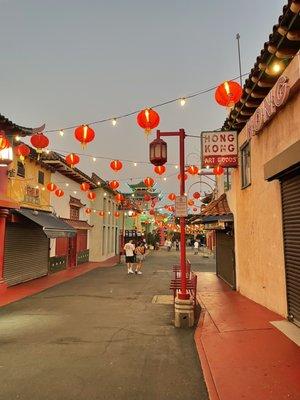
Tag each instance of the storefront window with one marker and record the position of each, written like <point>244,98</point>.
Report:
<point>246,165</point>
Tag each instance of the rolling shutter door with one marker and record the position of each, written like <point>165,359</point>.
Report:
<point>26,253</point>
<point>290,191</point>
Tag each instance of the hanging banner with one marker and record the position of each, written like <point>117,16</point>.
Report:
<point>219,148</point>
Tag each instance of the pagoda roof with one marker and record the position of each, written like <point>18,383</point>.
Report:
<point>11,129</point>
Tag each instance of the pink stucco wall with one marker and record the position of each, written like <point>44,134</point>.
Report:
<point>257,209</point>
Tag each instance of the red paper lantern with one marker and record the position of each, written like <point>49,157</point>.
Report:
<point>21,151</point>
<point>91,196</point>
<point>149,182</point>
<point>59,193</point>
<point>72,159</point>
<point>179,177</point>
<point>117,214</point>
<point>228,93</point>
<point>148,119</point>
<point>51,187</point>
<point>191,202</point>
<point>4,142</point>
<point>116,165</point>
<point>88,210</point>
<point>101,213</point>
<point>172,208</point>
<point>151,212</point>
<point>159,169</point>
<point>218,170</point>
<point>39,141</point>
<point>84,134</point>
<point>172,196</point>
<point>85,186</point>
<point>196,195</point>
<point>119,197</point>
<point>193,170</point>
<point>114,185</point>
<point>195,209</point>
<point>147,197</point>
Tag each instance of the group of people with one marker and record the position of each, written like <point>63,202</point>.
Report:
<point>169,244</point>
<point>134,256</point>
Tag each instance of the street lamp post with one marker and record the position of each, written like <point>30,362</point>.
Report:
<point>158,147</point>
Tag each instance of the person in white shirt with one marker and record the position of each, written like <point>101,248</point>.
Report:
<point>196,247</point>
<point>129,256</point>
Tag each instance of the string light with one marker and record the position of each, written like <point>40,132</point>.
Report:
<point>176,166</point>
<point>94,159</point>
<point>114,121</point>
<point>165,178</point>
<point>104,194</point>
<point>61,132</point>
<point>67,184</point>
<point>98,183</point>
<point>75,192</point>
<point>47,151</point>
<point>17,138</point>
<point>182,101</point>
<point>135,164</point>
<point>192,95</point>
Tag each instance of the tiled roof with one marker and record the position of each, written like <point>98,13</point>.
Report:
<point>77,224</point>
<point>10,128</point>
<point>217,207</point>
<point>282,46</point>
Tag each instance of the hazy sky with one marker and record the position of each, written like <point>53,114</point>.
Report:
<point>68,62</point>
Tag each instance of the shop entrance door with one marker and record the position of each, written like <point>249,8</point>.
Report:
<point>72,256</point>
<point>290,192</point>
<point>225,259</point>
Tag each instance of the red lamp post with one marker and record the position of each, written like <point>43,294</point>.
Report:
<point>158,156</point>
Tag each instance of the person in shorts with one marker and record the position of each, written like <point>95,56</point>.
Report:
<point>140,256</point>
<point>129,256</point>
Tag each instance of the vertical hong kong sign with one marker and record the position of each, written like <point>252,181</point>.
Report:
<point>219,148</point>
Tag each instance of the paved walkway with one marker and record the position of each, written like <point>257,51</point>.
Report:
<point>243,355</point>
<point>98,336</point>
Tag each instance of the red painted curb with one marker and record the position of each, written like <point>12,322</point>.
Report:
<point>209,380</point>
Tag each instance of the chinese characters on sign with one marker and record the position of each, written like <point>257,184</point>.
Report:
<point>219,148</point>
<point>181,209</point>
<point>31,195</point>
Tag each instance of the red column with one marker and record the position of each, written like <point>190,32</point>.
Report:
<point>183,295</point>
<point>3,215</point>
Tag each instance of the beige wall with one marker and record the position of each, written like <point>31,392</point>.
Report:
<point>257,210</point>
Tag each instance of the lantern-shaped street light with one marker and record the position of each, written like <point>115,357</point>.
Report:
<point>6,156</point>
<point>158,152</point>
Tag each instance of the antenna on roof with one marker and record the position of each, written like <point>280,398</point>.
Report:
<point>238,36</point>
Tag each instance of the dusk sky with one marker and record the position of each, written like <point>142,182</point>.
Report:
<point>69,62</point>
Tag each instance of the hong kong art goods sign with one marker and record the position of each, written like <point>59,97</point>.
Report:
<point>219,148</point>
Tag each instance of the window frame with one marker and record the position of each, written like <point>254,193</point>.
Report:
<point>41,174</point>
<point>21,171</point>
<point>245,145</point>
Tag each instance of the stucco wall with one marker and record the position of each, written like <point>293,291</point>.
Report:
<point>104,236</point>
<point>16,185</point>
<point>258,214</point>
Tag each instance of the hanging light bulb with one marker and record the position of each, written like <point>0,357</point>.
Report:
<point>94,159</point>
<point>61,132</point>
<point>17,138</point>
<point>165,178</point>
<point>176,166</point>
<point>135,164</point>
<point>114,121</point>
<point>182,101</point>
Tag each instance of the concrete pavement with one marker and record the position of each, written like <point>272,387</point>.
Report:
<point>99,336</point>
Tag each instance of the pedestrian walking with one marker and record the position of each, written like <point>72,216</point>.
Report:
<point>168,244</point>
<point>177,244</point>
<point>140,256</point>
<point>196,247</point>
<point>129,256</point>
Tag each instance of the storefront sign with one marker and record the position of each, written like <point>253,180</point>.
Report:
<point>219,148</point>
<point>181,209</point>
<point>31,195</point>
<point>215,225</point>
<point>265,112</point>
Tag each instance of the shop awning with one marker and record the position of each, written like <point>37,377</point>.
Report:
<point>77,224</point>
<point>53,227</point>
